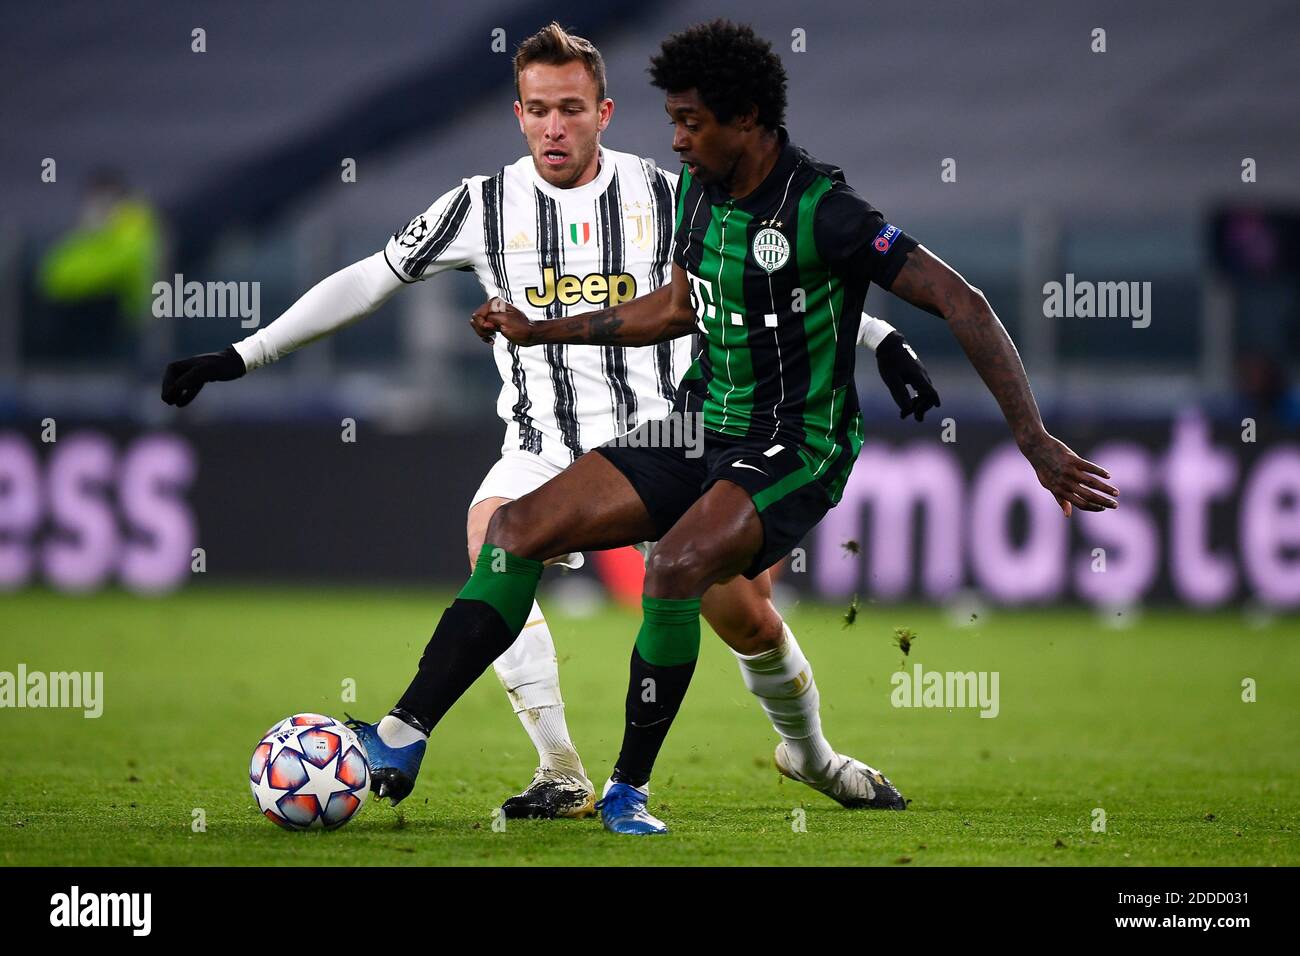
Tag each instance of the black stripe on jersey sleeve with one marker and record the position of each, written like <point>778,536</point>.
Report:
<point>856,241</point>
<point>530,437</point>
<point>441,236</point>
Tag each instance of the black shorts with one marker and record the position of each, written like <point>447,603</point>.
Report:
<point>788,495</point>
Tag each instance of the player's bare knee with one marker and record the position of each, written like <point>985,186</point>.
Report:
<point>672,573</point>
<point>683,571</point>
<point>509,530</point>
<point>770,633</point>
<point>750,629</point>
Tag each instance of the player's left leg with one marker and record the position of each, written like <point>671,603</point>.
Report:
<point>588,506</point>
<point>715,539</point>
<point>529,673</point>
<point>527,669</point>
<point>776,671</point>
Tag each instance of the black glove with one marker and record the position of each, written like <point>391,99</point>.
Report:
<point>185,377</point>
<point>900,367</point>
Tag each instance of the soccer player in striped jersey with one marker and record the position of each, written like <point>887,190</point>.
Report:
<point>772,261</point>
<point>569,226</point>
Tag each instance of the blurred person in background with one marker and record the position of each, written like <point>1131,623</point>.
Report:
<point>99,275</point>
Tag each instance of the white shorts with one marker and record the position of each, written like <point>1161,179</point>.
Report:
<point>518,473</point>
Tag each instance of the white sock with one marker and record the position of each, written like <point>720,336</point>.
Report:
<point>529,673</point>
<point>782,680</point>
<point>398,733</point>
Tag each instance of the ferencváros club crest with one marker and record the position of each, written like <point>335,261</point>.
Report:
<point>771,250</point>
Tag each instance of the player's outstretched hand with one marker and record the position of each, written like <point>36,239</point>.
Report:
<point>900,367</point>
<point>498,315</point>
<point>185,377</point>
<point>1074,481</point>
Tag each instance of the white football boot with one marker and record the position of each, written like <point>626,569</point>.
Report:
<point>847,781</point>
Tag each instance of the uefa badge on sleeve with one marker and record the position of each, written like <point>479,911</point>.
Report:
<point>771,249</point>
<point>413,234</point>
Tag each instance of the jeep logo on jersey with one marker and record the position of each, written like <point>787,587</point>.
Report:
<point>570,290</point>
<point>771,250</point>
<point>415,230</point>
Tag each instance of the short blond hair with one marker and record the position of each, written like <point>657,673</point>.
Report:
<point>556,46</point>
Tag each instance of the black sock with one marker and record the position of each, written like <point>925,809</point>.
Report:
<point>651,708</point>
<point>469,637</point>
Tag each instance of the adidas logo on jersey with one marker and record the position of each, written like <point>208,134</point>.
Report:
<point>520,240</point>
<point>594,288</point>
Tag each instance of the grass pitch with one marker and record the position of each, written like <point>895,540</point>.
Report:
<point>1146,723</point>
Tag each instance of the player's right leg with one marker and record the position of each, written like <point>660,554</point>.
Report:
<point>589,506</point>
<point>772,664</point>
<point>775,670</point>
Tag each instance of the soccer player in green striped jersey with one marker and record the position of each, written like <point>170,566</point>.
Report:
<point>773,257</point>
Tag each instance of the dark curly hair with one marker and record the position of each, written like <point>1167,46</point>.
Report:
<point>730,67</point>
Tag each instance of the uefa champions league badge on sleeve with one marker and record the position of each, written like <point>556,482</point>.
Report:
<point>884,240</point>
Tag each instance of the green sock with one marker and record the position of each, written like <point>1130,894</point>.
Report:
<point>507,582</point>
<point>658,677</point>
<point>670,631</point>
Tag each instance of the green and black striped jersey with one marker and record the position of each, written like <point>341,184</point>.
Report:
<point>778,280</point>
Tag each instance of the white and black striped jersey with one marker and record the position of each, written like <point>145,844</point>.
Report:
<point>557,252</point>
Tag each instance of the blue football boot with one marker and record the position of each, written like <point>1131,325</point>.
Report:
<point>392,769</point>
<point>622,810</point>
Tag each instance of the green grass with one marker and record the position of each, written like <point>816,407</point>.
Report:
<point>1147,723</point>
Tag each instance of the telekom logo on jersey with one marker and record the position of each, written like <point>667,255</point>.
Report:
<point>702,298</point>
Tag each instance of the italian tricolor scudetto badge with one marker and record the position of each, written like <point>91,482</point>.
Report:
<point>580,233</point>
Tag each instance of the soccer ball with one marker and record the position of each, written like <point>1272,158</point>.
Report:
<point>309,772</point>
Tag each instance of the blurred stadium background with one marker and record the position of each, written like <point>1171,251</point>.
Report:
<point>227,165</point>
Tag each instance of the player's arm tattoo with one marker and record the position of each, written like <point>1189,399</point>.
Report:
<point>594,328</point>
<point>928,283</point>
<point>645,320</point>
